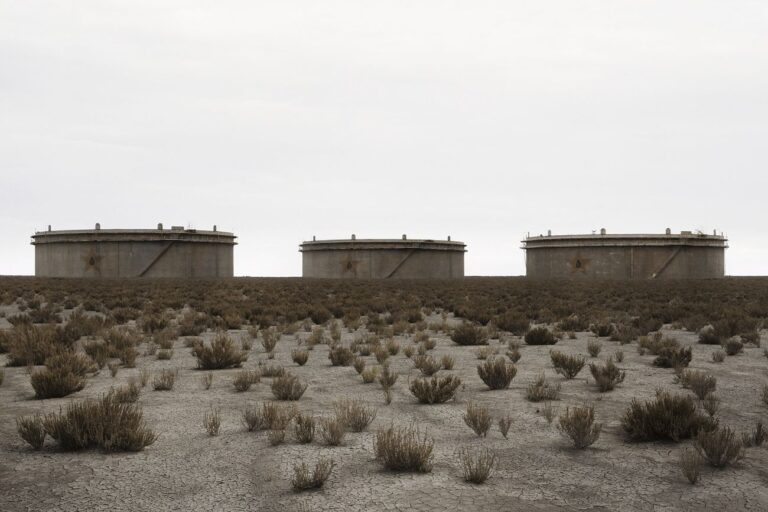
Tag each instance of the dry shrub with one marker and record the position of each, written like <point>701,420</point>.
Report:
<point>2,376</point>
<point>358,364</point>
<point>718,356</point>
<point>408,351</point>
<point>404,449</point>
<point>447,362</point>
<point>303,479</point>
<point>504,423</point>
<point>594,347</point>
<point>245,378</point>
<point>485,352</point>
<point>128,356</point>
<point>542,391</point>
<point>540,336</point>
<point>708,336</point>
<point>668,416</point>
<point>113,369</point>
<point>270,370</point>
<point>720,446</point>
<point>164,354</point>
<point>606,376</point>
<point>340,356</point>
<point>98,351</point>
<point>765,394</point>
<point>565,365</point>
<point>165,338</point>
<point>221,353</point>
<point>165,380</point>
<point>288,387</point>
<point>711,404</point>
<point>513,322</point>
<point>304,428</point>
<point>478,419</point>
<point>212,422</point>
<point>30,345</point>
<point>56,382</point>
<point>514,355</point>
<point>381,354</point>
<point>354,414</point>
<point>332,431</point>
<point>477,465</point>
<point>435,390</point>
<point>276,437</point>
<point>469,334</point>
<point>105,423</point>
<point>497,373</point>
<point>701,383</point>
<point>690,464</point>
<point>369,375</point>
<point>579,425</point>
<point>31,429</point>
<point>428,344</point>
<point>392,346</point>
<point>428,365</point>
<point>549,412</point>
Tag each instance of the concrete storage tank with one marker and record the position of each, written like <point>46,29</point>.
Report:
<point>665,256</point>
<point>383,259</point>
<point>112,253</point>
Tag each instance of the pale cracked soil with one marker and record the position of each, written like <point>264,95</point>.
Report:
<point>185,469</point>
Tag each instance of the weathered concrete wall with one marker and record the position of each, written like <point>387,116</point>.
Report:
<point>125,254</point>
<point>383,259</point>
<point>627,258</point>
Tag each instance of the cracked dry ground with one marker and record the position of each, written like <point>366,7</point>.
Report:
<point>187,470</point>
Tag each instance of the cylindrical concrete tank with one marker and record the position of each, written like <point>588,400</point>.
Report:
<point>111,253</point>
<point>383,259</point>
<point>669,256</point>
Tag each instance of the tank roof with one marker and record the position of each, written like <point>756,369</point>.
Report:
<point>382,243</point>
<point>636,240</point>
<point>133,235</point>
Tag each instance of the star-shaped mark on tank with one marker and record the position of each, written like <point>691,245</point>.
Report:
<point>349,265</point>
<point>579,264</point>
<point>92,261</point>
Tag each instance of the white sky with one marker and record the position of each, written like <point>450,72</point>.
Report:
<point>483,120</point>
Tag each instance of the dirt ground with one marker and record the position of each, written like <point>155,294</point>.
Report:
<point>185,469</point>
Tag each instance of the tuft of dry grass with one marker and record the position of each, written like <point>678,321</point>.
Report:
<point>565,365</point>
<point>276,437</point>
<point>221,353</point>
<point>359,365</point>
<point>701,383</point>
<point>387,378</point>
<point>579,425</point>
<point>497,373</point>
<point>332,431</point>
<point>369,375</point>
<point>304,428</point>
<point>718,356</point>
<point>304,479</point>
<point>447,362</point>
<point>207,380</point>
<point>404,449</point>
<point>212,422</point>
<point>270,416</point>
<point>478,419</point>
<point>128,393</point>
<point>607,376</point>
<point>300,356</point>
<point>340,356</point>
<point>504,423</point>
<point>477,465</point>
<point>245,379</point>
<point>594,347</point>
<point>755,437</point>
<point>144,375</point>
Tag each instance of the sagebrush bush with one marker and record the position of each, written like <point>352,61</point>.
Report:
<point>478,419</point>
<point>606,376</point>
<point>673,357</point>
<point>270,370</point>
<point>288,387</point>
<point>667,416</point>
<point>245,379</point>
<point>304,428</point>
<point>269,339</point>
<point>579,425</point>
<point>340,356</point>
<point>477,465</point>
<point>369,375</point>
<point>212,422</point>
<point>594,347</point>
<point>720,446</point>
<point>718,356</point>
<point>332,430</point>
<point>428,365</point>
<point>755,437</point>
<point>104,423</point>
<point>165,380</point>
<point>565,365</point>
<point>129,393</point>
<point>447,362</point>
<point>497,373</point>
<point>56,382</point>
<point>690,464</point>
<point>404,449</point>
<point>303,479</point>
<point>542,391</point>
<point>221,353</point>
<point>733,346</point>
<point>270,416</point>
<point>708,336</point>
<point>512,321</point>
<point>469,334</point>
<point>504,423</point>
<point>387,377</point>
<point>435,390</point>
<point>540,336</point>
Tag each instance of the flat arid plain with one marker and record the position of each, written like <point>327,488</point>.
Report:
<point>645,396</point>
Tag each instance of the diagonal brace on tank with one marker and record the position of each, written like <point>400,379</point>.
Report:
<point>156,258</point>
<point>400,263</point>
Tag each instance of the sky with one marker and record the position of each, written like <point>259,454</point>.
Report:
<point>482,120</point>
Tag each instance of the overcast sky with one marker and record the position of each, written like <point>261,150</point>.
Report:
<point>483,120</point>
